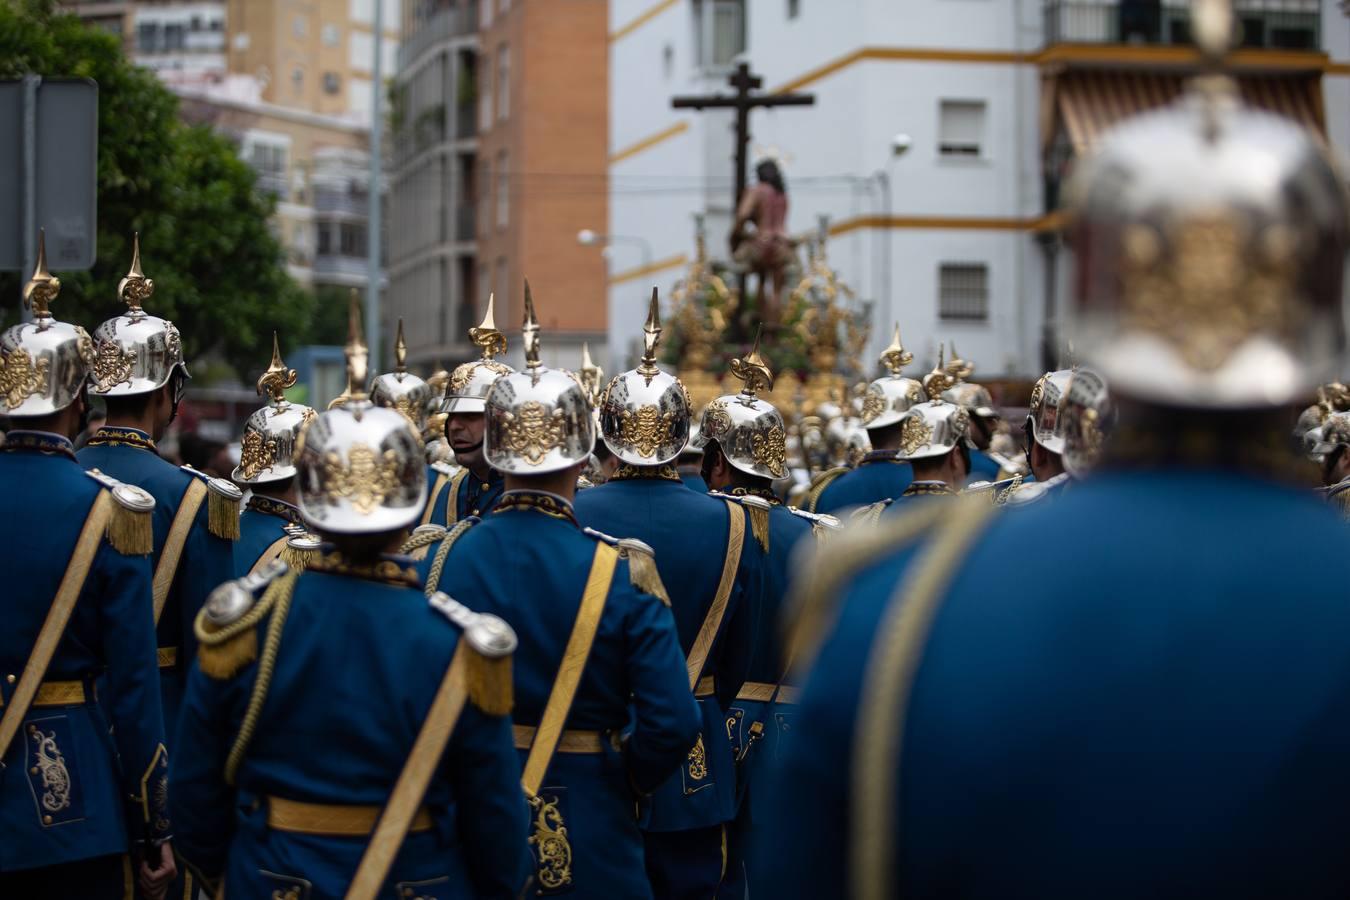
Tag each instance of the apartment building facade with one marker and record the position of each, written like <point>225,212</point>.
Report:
<point>956,238</point>
<point>499,145</point>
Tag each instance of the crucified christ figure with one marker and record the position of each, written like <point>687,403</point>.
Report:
<point>766,249</point>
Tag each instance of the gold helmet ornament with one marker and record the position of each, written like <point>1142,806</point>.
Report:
<point>135,353</point>
<point>469,382</point>
<point>360,468</point>
<point>891,396</point>
<point>538,419</point>
<point>644,412</point>
<point>1044,424</point>
<point>400,389</point>
<point>271,435</point>
<point>1211,239</point>
<point>1086,420</point>
<point>43,363</point>
<point>749,430</point>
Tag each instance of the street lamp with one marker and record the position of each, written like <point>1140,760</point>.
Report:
<point>587,237</point>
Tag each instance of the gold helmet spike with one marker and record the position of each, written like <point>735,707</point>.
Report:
<point>591,375</point>
<point>486,337</point>
<point>529,332</point>
<point>895,357</point>
<point>357,354</point>
<point>753,370</point>
<point>400,350</point>
<point>1213,27</point>
<point>651,336</point>
<point>274,382</point>
<point>134,288</point>
<point>43,287</point>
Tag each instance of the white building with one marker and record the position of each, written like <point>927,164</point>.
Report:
<point>996,97</point>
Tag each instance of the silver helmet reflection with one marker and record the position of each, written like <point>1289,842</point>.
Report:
<point>749,430</point>
<point>271,434</point>
<point>644,412</point>
<point>135,353</point>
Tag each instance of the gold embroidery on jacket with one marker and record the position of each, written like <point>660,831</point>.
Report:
<point>553,851</point>
<point>698,761</point>
<point>51,763</point>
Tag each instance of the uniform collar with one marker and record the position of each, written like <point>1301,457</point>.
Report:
<point>387,569</point>
<point>764,493</point>
<point>628,472</point>
<point>121,436</point>
<point>274,507</point>
<point>920,488</point>
<point>537,501</point>
<point>876,456</point>
<point>39,442</point>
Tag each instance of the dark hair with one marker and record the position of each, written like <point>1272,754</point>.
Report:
<point>768,173</point>
<point>130,406</point>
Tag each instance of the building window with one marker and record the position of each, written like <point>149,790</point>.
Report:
<point>503,82</point>
<point>147,37</point>
<point>332,82</point>
<point>325,241</point>
<point>961,128</point>
<point>175,36</point>
<point>352,239</point>
<point>298,79</point>
<point>268,159</point>
<point>485,92</point>
<point>503,190</point>
<point>299,26</point>
<point>330,35</point>
<point>719,32</point>
<point>484,197</point>
<point>499,280</point>
<point>484,13</point>
<point>794,8</point>
<point>963,292</point>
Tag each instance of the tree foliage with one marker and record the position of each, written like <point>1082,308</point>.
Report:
<point>219,272</point>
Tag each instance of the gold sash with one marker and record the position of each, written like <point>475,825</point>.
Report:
<point>173,544</point>
<point>272,552</point>
<point>712,623</point>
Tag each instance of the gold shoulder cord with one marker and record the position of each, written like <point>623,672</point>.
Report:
<point>278,599</point>
<point>712,623</point>
<point>442,553</point>
<point>823,480</point>
<point>58,616</point>
<point>887,684</point>
<point>272,552</point>
<point>173,544</point>
<point>436,489</point>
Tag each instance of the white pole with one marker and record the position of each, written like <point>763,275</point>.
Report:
<point>373,339</point>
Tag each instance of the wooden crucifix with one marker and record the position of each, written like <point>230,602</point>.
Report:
<point>743,101</point>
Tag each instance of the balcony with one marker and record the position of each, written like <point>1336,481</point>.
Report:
<point>466,222</point>
<point>451,22</point>
<point>344,203</point>
<point>1266,24</point>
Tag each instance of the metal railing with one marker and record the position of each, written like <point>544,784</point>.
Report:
<point>327,200</point>
<point>1267,24</point>
<point>460,20</point>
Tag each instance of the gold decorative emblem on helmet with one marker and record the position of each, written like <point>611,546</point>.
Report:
<point>914,433</point>
<point>645,428</point>
<point>256,454</point>
<point>20,378</point>
<point>873,404</point>
<point>363,480</point>
<point>112,366</point>
<point>770,450</point>
<point>716,419</point>
<point>534,431</point>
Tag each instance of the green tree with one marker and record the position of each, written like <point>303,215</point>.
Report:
<point>219,272</point>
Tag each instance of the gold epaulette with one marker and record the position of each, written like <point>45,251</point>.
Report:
<point>223,501</point>
<point>642,572</point>
<point>488,666</point>
<point>756,509</point>
<point>819,484</point>
<point>810,608</point>
<point>131,529</point>
<point>301,547</point>
<point>870,514</point>
<point>226,626</point>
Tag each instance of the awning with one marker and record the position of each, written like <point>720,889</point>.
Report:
<point>1087,104</point>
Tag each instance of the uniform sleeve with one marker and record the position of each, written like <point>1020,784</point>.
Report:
<point>484,772</point>
<point>735,653</point>
<point>667,719</point>
<point>127,626</point>
<point>208,562</point>
<point>203,804</point>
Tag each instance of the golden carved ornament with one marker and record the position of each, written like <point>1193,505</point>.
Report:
<point>534,431</point>
<point>20,378</point>
<point>644,430</point>
<point>698,761</point>
<point>43,287</point>
<point>716,419</point>
<point>873,405</point>
<point>134,288</point>
<point>552,848</point>
<point>770,450</point>
<point>51,763</point>
<point>112,366</point>
<point>1038,392</point>
<point>256,454</point>
<point>915,433</point>
<point>274,382</point>
<point>1208,285</point>
<point>364,481</point>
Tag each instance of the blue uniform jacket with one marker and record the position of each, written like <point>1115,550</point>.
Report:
<point>689,532</point>
<point>81,777</point>
<point>468,495</point>
<point>982,467</point>
<point>528,562</point>
<point>880,476</point>
<point>261,525</point>
<point>207,561</point>
<point>361,655</point>
<point>1162,709</point>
